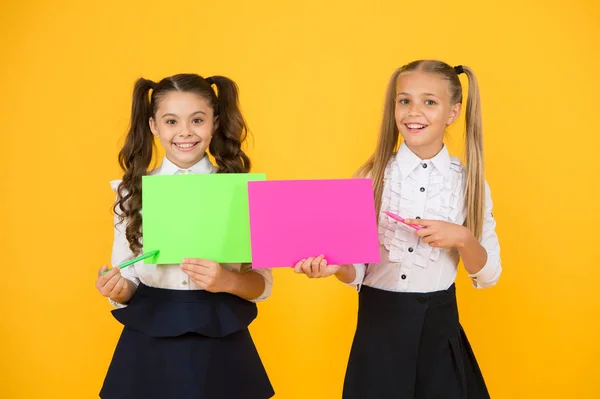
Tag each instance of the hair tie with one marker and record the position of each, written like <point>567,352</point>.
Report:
<point>459,69</point>
<point>211,81</point>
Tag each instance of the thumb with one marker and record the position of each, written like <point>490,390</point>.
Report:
<point>330,270</point>
<point>298,267</point>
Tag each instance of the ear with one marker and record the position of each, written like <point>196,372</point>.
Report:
<point>454,113</point>
<point>152,123</point>
<point>215,124</point>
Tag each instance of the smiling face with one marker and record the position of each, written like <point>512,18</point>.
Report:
<point>423,110</point>
<point>184,123</point>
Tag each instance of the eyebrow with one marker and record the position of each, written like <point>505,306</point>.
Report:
<point>425,94</point>
<point>197,112</point>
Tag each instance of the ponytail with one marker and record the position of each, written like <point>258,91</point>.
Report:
<point>135,158</point>
<point>231,130</point>
<point>475,186</point>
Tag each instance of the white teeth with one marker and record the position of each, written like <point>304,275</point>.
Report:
<point>415,126</point>
<point>185,145</point>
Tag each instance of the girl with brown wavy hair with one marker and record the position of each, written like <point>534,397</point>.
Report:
<point>409,342</point>
<point>185,329</point>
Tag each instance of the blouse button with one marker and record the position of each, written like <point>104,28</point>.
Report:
<point>422,189</point>
<point>418,217</point>
<point>184,282</point>
<point>411,249</point>
<point>424,166</point>
<point>403,277</point>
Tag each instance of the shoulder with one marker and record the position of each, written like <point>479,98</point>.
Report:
<point>114,184</point>
<point>155,171</point>
<point>488,190</point>
<point>456,165</point>
<point>392,164</point>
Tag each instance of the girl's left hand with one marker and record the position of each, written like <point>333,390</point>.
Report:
<point>208,274</point>
<point>440,234</point>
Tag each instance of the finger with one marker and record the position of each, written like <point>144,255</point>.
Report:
<point>119,286</point>
<point>195,261</point>
<point>323,268</point>
<point>190,267</point>
<point>315,265</point>
<point>110,284</point>
<point>429,239</point>
<point>435,241</point>
<point>306,267</point>
<point>196,276</point>
<point>195,271</point>
<point>426,232</point>
<point>108,275</point>
<point>104,279</point>
<point>420,222</point>
<point>332,269</point>
<point>298,267</point>
<point>100,280</point>
<point>195,268</point>
<point>441,243</point>
<point>201,281</point>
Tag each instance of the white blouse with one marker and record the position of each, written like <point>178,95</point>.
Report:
<point>170,276</point>
<point>427,189</point>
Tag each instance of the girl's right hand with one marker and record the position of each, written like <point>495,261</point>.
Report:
<point>113,285</point>
<point>315,267</point>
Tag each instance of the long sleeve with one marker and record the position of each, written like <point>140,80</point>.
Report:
<point>489,275</point>
<point>121,251</point>
<point>267,275</point>
<point>360,269</point>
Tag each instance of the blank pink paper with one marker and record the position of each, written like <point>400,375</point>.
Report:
<point>295,219</point>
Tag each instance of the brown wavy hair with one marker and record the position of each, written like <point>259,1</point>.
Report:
<point>136,155</point>
<point>389,138</point>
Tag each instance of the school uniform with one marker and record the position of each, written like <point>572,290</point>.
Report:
<point>178,340</point>
<point>409,343</point>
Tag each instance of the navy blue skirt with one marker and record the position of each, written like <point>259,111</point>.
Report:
<point>186,345</point>
<point>411,346</point>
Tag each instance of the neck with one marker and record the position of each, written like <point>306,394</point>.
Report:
<point>427,152</point>
<point>186,165</point>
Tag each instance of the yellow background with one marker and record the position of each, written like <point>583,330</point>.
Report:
<point>312,76</point>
